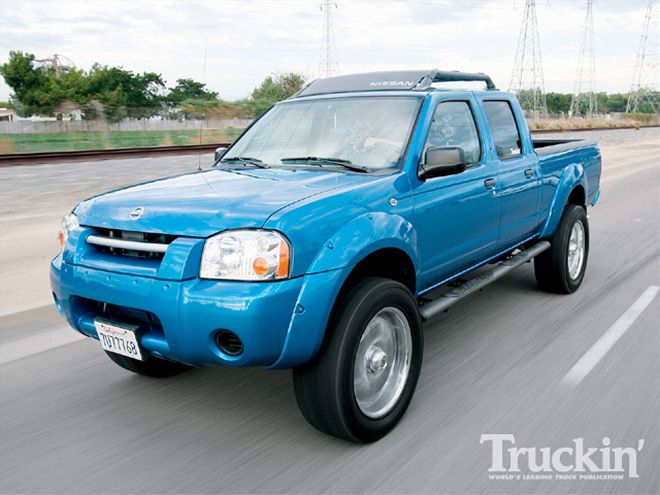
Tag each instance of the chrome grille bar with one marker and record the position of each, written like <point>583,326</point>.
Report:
<point>150,247</point>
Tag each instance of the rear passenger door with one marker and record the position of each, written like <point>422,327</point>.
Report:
<point>457,216</point>
<point>519,178</point>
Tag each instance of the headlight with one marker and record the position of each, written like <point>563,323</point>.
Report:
<point>246,255</point>
<point>69,223</point>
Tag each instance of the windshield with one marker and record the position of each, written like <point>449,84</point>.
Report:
<point>369,132</point>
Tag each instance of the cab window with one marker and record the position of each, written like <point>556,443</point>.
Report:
<point>453,125</point>
<point>504,129</point>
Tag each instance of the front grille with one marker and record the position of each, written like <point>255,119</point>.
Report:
<point>137,244</point>
<point>146,320</point>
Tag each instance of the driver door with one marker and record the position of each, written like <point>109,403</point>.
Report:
<point>457,215</point>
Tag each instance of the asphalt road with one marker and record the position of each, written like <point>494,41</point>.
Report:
<point>72,421</point>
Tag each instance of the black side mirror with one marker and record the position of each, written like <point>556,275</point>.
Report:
<point>219,153</point>
<point>442,160</point>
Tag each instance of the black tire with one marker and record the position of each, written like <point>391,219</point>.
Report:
<point>325,388</point>
<point>151,366</point>
<point>551,267</point>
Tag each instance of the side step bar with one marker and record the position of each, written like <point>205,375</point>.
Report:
<point>434,308</point>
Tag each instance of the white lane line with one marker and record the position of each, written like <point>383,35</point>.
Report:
<point>26,307</point>
<point>30,346</point>
<point>609,338</point>
<point>609,177</point>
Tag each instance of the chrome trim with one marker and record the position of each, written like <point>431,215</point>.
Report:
<point>382,362</point>
<point>150,247</point>
<point>435,307</point>
<point>576,250</point>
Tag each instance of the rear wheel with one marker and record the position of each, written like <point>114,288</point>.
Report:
<point>561,268</point>
<point>364,378</point>
<point>151,366</point>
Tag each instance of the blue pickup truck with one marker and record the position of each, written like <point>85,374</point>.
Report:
<point>326,235</point>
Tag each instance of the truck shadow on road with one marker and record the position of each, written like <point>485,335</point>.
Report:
<point>223,403</point>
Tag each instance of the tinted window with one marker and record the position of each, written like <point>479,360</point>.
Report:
<point>453,125</point>
<point>504,129</point>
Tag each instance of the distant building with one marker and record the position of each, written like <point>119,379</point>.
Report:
<point>7,114</point>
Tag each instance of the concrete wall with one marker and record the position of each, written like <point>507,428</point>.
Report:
<point>23,126</point>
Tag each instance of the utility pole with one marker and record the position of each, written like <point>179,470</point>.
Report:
<point>645,89</point>
<point>527,74</point>
<point>328,65</point>
<point>584,94</point>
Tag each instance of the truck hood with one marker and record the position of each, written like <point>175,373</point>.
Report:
<point>202,203</point>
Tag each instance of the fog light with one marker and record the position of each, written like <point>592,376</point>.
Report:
<point>229,343</point>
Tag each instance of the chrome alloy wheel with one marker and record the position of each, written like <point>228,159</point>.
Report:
<point>382,362</point>
<point>576,249</point>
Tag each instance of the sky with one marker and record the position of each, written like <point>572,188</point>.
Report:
<point>232,45</point>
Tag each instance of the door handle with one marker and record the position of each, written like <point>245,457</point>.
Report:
<point>490,183</point>
<point>529,173</point>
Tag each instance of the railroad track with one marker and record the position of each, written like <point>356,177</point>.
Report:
<point>13,159</point>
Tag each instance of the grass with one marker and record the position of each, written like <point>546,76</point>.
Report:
<point>91,140</point>
<point>591,122</point>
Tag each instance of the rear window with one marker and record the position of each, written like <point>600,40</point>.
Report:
<point>504,129</point>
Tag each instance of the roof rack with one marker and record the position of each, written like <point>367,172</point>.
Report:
<point>389,80</point>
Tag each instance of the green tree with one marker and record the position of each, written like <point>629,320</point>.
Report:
<point>558,102</point>
<point>189,89</point>
<point>273,89</point>
<point>121,93</point>
<point>29,83</point>
<point>612,103</point>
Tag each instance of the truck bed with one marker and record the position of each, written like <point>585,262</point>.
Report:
<point>545,147</point>
<point>555,155</point>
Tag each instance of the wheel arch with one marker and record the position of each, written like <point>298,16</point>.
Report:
<point>571,189</point>
<point>389,256</point>
<point>577,196</point>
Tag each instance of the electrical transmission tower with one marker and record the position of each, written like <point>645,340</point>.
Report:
<point>645,90</point>
<point>59,63</point>
<point>527,74</point>
<point>584,94</point>
<point>328,65</point>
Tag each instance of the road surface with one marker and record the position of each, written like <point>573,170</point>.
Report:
<point>510,359</point>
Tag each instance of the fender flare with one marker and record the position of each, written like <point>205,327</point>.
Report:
<point>362,236</point>
<point>329,271</point>
<point>571,177</point>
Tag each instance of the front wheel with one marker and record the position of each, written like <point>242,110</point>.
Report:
<point>561,268</point>
<point>364,378</point>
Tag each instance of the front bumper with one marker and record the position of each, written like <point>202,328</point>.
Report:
<point>190,312</point>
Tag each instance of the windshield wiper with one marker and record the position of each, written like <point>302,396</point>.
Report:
<point>246,160</point>
<point>317,160</point>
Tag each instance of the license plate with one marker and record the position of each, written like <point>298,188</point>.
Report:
<point>120,339</point>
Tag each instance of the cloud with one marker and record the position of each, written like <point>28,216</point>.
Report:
<point>246,40</point>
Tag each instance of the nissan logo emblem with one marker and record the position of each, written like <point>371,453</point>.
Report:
<point>136,213</point>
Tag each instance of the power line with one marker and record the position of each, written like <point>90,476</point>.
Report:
<point>527,73</point>
<point>328,65</point>
<point>584,100</point>
<point>645,90</point>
